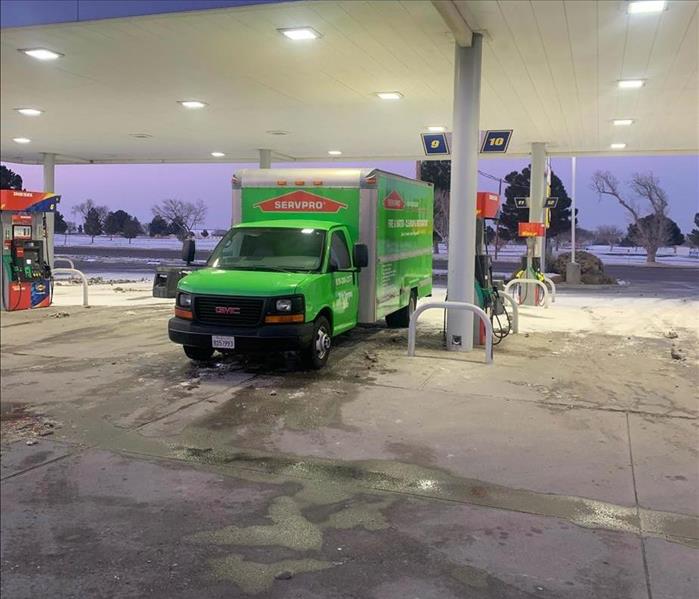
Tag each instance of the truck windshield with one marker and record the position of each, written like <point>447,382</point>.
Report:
<point>283,249</point>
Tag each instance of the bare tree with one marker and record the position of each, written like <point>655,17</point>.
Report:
<point>84,208</point>
<point>653,232</point>
<point>186,215</point>
<point>610,234</point>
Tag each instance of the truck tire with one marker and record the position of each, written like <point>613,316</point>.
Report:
<point>315,356</point>
<point>201,354</point>
<point>401,318</point>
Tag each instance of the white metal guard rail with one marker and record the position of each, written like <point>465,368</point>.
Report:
<point>63,259</point>
<point>547,295</point>
<point>515,310</point>
<point>553,288</point>
<point>73,271</point>
<point>453,306</point>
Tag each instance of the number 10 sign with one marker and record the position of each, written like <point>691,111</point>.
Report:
<point>496,141</point>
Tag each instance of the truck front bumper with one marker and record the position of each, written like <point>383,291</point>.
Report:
<point>277,337</point>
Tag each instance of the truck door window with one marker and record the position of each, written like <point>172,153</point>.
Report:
<point>339,254</point>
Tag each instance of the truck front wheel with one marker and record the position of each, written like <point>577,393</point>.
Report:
<point>200,354</point>
<point>316,354</point>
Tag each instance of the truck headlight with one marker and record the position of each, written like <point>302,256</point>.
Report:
<point>283,305</point>
<point>184,300</point>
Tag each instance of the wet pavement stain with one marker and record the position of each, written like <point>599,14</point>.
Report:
<point>254,577</point>
<point>396,477</point>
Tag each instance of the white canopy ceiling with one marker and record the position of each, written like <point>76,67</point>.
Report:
<point>550,72</point>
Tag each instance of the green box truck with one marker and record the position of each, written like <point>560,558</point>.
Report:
<point>312,252</point>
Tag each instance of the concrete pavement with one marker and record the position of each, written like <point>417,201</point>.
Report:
<point>566,469</point>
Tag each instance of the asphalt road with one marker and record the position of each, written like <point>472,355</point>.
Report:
<point>636,279</point>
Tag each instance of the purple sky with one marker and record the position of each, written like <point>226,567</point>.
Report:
<point>135,188</point>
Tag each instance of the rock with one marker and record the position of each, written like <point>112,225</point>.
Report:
<point>32,441</point>
<point>370,357</point>
<point>272,393</point>
<point>671,334</point>
<point>60,315</point>
<point>676,355</point>
<point>591,268</point>
<point>286,575</point>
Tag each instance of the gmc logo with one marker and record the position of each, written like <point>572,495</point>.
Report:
<point>227,310</point>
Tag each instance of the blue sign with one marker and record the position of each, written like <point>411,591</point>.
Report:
<point>435,144</point>
<point>496,141</point>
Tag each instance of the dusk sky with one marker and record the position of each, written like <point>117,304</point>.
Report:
<point>135,188</point>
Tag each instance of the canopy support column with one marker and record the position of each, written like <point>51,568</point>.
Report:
<point>265,158</point>
<point>462,200</point>
<point>49,185</point>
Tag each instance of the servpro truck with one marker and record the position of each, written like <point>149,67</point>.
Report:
<point>312,252</point>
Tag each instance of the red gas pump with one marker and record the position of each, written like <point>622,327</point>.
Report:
<point>27,246</point>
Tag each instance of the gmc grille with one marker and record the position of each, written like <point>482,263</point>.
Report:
<point>242,311</point>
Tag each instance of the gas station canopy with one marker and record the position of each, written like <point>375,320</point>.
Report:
<point>551,72</point>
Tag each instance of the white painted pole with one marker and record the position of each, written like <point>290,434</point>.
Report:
<point>49,184</point>
<point>573,218</point>
<point>265,158</point>
<point>462,200</point>
<point>537,191</point>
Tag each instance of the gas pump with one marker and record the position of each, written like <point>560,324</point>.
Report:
<point>27,244</point>
<point>531,265</point>
<point>486,293</point>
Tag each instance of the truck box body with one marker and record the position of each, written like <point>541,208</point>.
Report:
<point>391,214</point>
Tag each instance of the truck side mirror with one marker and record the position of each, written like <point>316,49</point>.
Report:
<point>189,248</point>
<point>360,255</point>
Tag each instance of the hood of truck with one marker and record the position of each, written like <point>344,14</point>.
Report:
<point>215,281</point>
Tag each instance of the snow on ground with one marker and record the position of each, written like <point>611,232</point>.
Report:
<point>104,294</point>
<point>102,241</point>
<point>625,316</point>
<point>679,256</point>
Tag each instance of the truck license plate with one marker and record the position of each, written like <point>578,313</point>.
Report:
<point>222,342</point>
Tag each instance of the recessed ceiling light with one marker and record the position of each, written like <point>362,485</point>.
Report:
<point>623,122</point>
<point>21,140</point>
<point>630,83</point>
<point>41,53</point>
<point>192,104</point>
<point>617,146</point>
<point>646,6</point>
<point>335,152</point>
<point>389,95</point>
<point>299,33</point>
<point>29,111</point>
<point>436,129</point>
<point>217,154</point>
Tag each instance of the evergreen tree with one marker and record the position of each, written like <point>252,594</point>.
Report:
<point>518,186</point>
<point>9,179</point>
<point>60,226</point>
<point>93,224</point>
<point>693,237</point>
<point>158,226</point>
<point>115,222</point>
<point>132,228</point>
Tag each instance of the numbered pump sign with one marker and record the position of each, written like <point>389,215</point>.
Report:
<point>496,141</point>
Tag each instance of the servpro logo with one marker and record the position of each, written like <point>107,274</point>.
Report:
<point>300,201</point>
<point>393,201</point>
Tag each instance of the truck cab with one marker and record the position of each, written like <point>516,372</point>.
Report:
<point>273,285</point>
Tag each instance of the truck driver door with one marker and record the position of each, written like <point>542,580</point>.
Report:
<point>344,283</point>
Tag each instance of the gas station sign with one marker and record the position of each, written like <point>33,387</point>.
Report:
<point>531,229</point>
